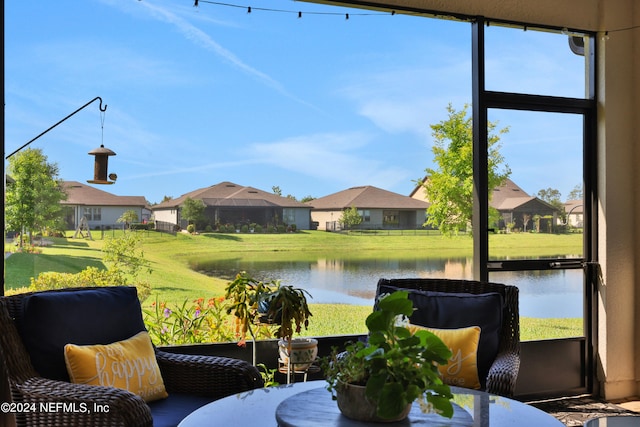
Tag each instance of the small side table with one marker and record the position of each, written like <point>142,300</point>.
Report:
<point>290,370</point>
<point>614,421</point>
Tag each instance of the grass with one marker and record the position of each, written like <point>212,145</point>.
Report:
<point>352,318</point>
<point>173,280</point>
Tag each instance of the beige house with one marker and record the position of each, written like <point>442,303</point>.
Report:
<point>379,209</point>
<point>229,203</point>
<point>100,208</point>
<point>517,209</point>
<point>575,213</point>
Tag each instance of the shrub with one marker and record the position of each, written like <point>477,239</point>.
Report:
<point>193,322</point>
<point>293,228</point>
<point>191,228</point>
<point>281,228</point>
<point>244,228</point>
<point>258,228</point>
<point>271,229</point>
<point>208,229</point>
<point>28,249</point>
<point>90,276</point>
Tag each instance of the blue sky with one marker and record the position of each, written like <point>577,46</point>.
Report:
<point>314,105</point>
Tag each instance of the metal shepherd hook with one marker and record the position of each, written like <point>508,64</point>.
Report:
<point>84,106</point>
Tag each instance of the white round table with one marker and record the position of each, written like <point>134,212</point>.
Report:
<point>258,408</point>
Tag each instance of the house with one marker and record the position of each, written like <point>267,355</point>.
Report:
<point>575,213</point>
<point>379,209</point>
<point>517,209</point>
<point>229,203</point>
<point>520,210</point>
<point>100,208</point>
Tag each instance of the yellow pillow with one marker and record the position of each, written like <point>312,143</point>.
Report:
<point>462,369</point>
<point>130,364</point>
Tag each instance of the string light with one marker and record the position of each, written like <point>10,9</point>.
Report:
<point>299,14</point>
<point>635,27</point>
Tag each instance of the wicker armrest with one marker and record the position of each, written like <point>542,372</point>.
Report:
<point>503,374</point>
<point>58,403</point>
<point>207,375</point>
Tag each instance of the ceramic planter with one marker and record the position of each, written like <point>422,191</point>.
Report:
<point>354,404</point>
<point>303,352</point>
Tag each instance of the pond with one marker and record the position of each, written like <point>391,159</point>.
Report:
<point>543,294</point>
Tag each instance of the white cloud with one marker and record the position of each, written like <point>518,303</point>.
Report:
<point>410,97</point>
<point>202,39</point>
<point>331,157</point>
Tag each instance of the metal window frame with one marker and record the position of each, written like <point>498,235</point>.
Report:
<point>482,101</point>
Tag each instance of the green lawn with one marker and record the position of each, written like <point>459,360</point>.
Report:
<point>173,280</point>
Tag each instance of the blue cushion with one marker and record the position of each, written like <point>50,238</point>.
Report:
<point>458,310</point>
<point>170,411</point>
<point>84,317</point>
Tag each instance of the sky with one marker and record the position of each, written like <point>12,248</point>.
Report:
<point>314,104</point>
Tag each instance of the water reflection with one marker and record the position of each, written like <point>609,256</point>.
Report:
<point>556,293</point>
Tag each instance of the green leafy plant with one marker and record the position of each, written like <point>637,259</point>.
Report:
<point>396,366</point>
<point>244,294</point>
<point>189,322</point>
<point>268,375</point>
<point>287,307</point>
<point>125,255</point>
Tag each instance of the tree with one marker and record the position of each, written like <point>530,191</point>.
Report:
<point>33,200</point>
<point>307,199</point>
<point>278,192</point>
<point>193,210</point>
<point>125,256</point>
<point>449,187</point>
<point>350,217</point>
<point>552,196</point>
<point>128,217</point>
<point>576,193</point>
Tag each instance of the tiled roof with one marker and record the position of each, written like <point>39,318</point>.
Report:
<point>366,197</point>
<point>83,194</point>
<point>230,194</point>
<point>508,196</point>
<point>574,206</point>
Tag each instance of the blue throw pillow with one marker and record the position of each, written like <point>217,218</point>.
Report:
<point>84,317</point>
<point>458,310</point>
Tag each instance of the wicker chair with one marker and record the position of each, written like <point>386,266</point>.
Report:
<point>502,374</point>
<point>191,381</point>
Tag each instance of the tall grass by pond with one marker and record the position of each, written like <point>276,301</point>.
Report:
<point>174,281</point>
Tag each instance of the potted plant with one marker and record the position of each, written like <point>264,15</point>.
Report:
<point>287,307</point>
<point>245,295</point>
<point>256,302</point>
<point>380,379</point>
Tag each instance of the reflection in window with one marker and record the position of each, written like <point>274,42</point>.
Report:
<point>365,214</point>
<point>390,217</point>
<point>288,216</point>
<point>93,214</point>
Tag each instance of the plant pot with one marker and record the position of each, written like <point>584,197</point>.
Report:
<point>354,404</point>
<point>303,352</point>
